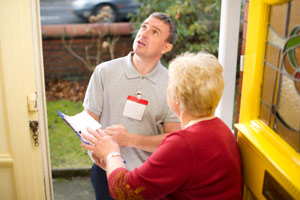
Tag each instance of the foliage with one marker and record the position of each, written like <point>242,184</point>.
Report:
<point>197,22</point>
<point>65,149</point>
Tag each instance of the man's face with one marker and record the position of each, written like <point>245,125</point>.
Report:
<point>151,38</point>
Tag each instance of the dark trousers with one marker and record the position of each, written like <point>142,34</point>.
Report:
<point>99,182</point>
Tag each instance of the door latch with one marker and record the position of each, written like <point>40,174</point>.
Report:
<point>32,102</point>
<point>34,126</point>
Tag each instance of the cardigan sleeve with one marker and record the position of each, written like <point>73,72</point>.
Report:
<point>120,188</point>
<point>164,172</point>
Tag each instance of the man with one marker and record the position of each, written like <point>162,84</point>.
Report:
<point>128,97</point>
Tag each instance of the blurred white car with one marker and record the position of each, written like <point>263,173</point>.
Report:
<point>104,10</point>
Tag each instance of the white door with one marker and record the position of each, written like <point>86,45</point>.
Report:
<point>24,153</point>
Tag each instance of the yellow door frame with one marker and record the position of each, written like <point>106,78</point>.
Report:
<point>263,151</point>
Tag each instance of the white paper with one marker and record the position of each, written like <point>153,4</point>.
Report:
<point>81,122</point>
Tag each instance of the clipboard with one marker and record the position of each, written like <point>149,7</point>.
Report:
<point>79,122</point>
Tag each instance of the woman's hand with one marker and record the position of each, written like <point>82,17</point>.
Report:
<point>102,145</point>
<point>98,161</point>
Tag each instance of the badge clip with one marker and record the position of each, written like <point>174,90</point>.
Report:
<point>139,95</point>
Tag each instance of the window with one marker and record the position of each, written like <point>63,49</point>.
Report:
<point>280,98</point>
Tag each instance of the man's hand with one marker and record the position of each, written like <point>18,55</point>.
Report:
<point>144,142</point>
<point>120,135</point>
<point>96,117</point>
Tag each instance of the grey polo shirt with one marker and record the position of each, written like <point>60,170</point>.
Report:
<point>110,85</point>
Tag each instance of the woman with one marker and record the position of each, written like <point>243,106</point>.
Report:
<point>202,161</point>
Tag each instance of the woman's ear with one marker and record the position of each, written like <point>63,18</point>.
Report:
<point>177,100</point>
<point>167,48</point>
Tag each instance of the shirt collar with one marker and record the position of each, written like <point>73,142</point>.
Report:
<point>131,72</point>
<point>192,122</point>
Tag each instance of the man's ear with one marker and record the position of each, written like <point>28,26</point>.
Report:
<point>167,48</point>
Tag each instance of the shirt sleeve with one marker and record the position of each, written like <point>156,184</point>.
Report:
<point>93,100</point>
<point>164,172</point>
<point>170,116</point>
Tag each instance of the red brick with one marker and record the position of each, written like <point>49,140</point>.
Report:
<point>59,63</point>
<point>246,11</point>
<point>53,30</point>
<point>245,30</point>
<point>240,83</point>
<point>243,47</point>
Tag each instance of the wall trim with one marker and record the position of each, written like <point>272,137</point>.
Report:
<point>87,30</point>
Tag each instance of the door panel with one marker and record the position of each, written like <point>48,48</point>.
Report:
<point>24,170</point>
<point>7,190</point>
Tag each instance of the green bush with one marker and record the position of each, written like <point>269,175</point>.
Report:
<point>197,22</point>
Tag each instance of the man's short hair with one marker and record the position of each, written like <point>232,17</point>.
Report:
<point>166,19</point>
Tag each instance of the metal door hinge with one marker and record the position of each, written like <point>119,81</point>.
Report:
<point>34,127</point>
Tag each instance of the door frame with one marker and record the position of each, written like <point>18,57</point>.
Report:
<point>41,98</point>
<point>24,160</point>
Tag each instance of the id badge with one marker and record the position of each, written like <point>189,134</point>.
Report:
<point>135,108</point>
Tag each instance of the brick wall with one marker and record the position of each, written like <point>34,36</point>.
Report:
<point>60,64</point>
<point>243,48</point>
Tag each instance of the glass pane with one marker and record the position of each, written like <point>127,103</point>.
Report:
<point>272,55</point>
<point>278,16</point>
<point>268,86</point>
<point>292,137</point>
<point>294,15</point>
<point>265,113</point>
<point>269,80</point>
<point>280,103</point>
<point>288,104</point>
